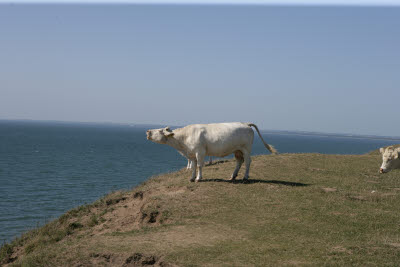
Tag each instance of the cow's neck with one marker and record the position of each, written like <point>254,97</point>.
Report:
<point>177,142</point>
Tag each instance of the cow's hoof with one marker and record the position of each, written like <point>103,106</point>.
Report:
<point>198,180</point>
<point>191,180</point>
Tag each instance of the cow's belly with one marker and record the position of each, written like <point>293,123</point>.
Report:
<point>223,150</point>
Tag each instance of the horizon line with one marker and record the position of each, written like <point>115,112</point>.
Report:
<point>356,3</point>
<point>298,132</point>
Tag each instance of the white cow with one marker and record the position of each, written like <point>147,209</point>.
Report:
<point>218,139</point>
<point>390,158</point>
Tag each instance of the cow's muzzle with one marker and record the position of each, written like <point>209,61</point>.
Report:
<point>382,170</point>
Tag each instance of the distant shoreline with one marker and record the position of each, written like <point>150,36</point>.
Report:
<point>339,135</point>
<point>142,125</point>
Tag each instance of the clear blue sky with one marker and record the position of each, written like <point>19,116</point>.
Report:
<point>328,69</point>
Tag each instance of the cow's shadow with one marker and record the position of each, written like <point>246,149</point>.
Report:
<point>253,181</point>
<point>216,162</point>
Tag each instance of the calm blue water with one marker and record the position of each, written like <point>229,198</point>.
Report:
<point>49,168</point>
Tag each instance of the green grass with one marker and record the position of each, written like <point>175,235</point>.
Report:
<point>297,209</point>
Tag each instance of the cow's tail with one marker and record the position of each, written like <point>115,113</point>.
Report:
<point>269,147</point>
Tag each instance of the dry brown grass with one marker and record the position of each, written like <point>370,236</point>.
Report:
<point>297,209</point>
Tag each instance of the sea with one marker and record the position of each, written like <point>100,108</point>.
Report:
<point>48,168</point>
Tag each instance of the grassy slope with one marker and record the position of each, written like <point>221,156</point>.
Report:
<point>298,209</point>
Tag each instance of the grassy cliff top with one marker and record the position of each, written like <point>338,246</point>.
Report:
<point>297,209</point>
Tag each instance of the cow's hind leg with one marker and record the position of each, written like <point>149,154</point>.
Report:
<point>200,164</point>
<point>239,161</point>
<point>247,162</point>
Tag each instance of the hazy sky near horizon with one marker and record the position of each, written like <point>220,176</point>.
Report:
<point>312,68</point>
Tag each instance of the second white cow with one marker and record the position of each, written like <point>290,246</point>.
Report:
<point>217,139</point>
<point>390,158</point>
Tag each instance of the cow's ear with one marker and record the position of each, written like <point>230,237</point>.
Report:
<point>167,132</point>
<point>381,150</point>
<point>397,153</point>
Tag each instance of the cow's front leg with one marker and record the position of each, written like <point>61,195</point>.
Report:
<point>200,163</point>
<point>193,165</point>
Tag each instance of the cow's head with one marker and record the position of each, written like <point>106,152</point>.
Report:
<point>159,135</point>
<point>390,157</point>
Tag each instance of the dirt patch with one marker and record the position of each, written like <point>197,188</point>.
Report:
<point>102,257</point>
<point>134,260</point>
<point>151,217</point>
<point>139,259</point>
<point>8,255</point>
<point>131,211</point>
<point>328,189</point>
<point>115,200</point>
<point>124,216</point>
<point>170,239</point>
<point>138,195</point>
